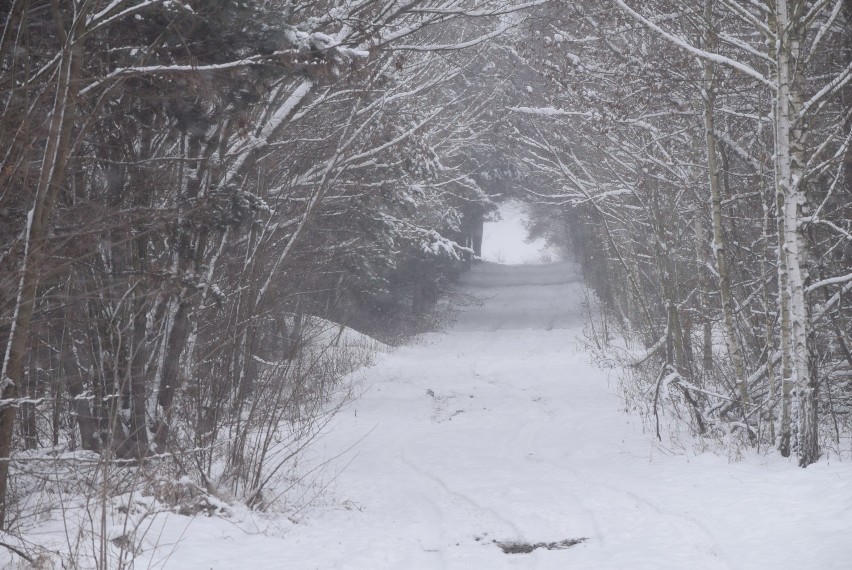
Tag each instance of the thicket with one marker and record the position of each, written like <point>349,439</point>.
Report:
<point>696,160</point>
<point>190,192</point>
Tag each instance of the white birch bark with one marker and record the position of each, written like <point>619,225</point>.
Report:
<point>789,143</point>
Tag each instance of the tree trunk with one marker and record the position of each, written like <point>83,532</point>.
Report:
<point>38,218</point>
<point>768,327</point>
<point>789,142</point>
<point>719,245</point>
<point>138,417</point>
<point>478,226</point>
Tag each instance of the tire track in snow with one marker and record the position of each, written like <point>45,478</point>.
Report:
<point>460,499</point>
<point>529,299</point>
<point>600,496</point>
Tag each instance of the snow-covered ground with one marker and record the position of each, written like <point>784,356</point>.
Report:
<point>501,430</point>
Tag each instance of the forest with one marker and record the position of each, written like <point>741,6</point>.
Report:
<point>199,198</point>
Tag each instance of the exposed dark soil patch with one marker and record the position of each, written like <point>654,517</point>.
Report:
<point>526,547</point>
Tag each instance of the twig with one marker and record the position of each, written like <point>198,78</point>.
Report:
<point>18,552</point>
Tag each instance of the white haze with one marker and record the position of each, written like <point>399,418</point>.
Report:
<point>505,241</point>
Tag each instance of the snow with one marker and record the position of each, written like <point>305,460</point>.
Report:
<point>501,429</point>
<point>505,241</point>
<point>322,333</point>
<point>685,45</point>
<point>550,111</point>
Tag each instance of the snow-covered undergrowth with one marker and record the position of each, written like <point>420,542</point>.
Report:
<point>660,403</point>
<point>700,413</point>
<point>502,445</point>
<point>79,509</point>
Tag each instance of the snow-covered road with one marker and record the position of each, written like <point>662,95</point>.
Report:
<point>501,430</point>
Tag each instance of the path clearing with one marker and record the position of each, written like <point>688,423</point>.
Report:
<point>501,430</point>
